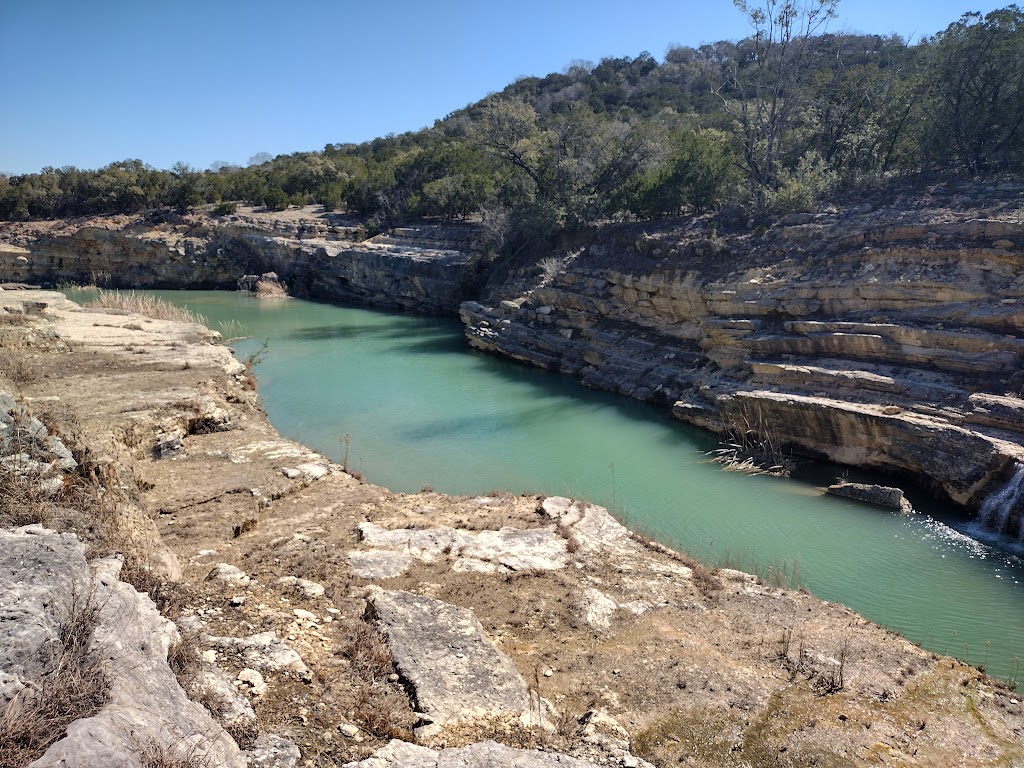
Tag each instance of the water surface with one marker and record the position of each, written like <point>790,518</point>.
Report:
<point>421,409</point>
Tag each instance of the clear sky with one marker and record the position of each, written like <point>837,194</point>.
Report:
<point>89,82</point>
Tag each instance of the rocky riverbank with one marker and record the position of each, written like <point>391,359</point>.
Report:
<point>320,620</point>
<point>888,336</point>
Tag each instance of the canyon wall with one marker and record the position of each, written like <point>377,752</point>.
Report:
<point>889,339</point>
<point>418,268</point>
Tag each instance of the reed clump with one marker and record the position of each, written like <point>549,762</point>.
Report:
<point>142,304</point>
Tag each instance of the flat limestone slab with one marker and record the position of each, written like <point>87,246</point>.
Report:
<point>485,754</point>
<point>456,673</point>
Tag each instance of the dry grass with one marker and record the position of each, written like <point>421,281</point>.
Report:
<point>16,361</point>
<point>95,501</point>
<point>13,318</point>
<point>22,501</point>
<point>153,754</point>
<point>271,289</point>
<point>147,306</point>
<point>703,577</point>
<point>75,687</point>
<point>184,658</point>
<point>376,705</point>
<point>367,651</point>
<point>752,446</point>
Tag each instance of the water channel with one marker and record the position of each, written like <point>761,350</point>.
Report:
<point>421,409</point>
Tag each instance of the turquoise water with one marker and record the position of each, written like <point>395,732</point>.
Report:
<point>422,409</point>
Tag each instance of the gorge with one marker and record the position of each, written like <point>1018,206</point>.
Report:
<point>917,379</point>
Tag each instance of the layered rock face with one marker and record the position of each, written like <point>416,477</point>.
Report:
<point>422,268</point>
<point>871,339</point>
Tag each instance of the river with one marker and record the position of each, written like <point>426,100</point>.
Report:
<point>420,409</point>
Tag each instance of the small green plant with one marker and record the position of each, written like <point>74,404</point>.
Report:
<point>226,208</point>
<point>344,452</point>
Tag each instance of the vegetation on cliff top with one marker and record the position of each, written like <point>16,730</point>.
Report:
<point>770,124</point>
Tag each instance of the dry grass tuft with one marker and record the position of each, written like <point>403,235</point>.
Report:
<point>16,361</point>
<point>380,707</point>
<point>704,578</point>
<point>368,652</point>
<point>75,687</point>
<point>753,447</point>
<point>153,754</point>
<point>168,596</point>
<point>22,500</point>
<point>184,658</point>
<point>13,318</point>
<point>147,306</point>
<point>271,289</point>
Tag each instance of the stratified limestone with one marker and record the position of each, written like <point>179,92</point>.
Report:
<point>455,673</point>
<point>892,340</point>
<point>420,268</point>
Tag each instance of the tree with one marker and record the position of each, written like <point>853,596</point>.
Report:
<point>765,91</point>
<point>187,190</point>
<point>695,175</point>
<point>975,80</point>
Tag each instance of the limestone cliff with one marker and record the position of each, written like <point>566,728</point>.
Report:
<point>891,339</point>
<point>420,268</point>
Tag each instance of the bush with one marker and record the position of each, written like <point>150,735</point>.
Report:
<point>276,199</point>
<point>225,208</point>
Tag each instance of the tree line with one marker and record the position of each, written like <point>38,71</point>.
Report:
<point>773,123</point>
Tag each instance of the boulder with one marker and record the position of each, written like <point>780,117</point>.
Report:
<point>879,495</point>
<point>146,707</point>
<point>455,673</point>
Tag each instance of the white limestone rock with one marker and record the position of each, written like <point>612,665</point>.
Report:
<point>146,704</point>
<point>308,589</point>
<point>456,673</point>
<point>485,754</point>
<point>229,575</point>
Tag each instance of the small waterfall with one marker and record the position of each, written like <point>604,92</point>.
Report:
<point>994,514</point>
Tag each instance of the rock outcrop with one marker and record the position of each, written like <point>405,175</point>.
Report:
<point>400,754</point>
<point>879,495</point>
<point>48,585</point>
<point>423,269</point>
<point>455,673</point>
<point>893,340</point>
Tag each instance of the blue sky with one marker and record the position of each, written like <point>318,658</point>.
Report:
<point>89,82</point>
